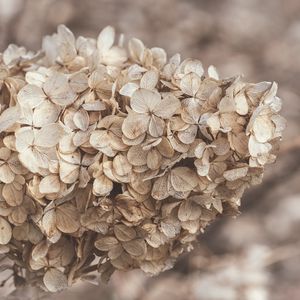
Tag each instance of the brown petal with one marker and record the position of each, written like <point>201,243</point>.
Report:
<point>137,156</point>
<point>67,218</point>
<point>135,247</point>
<point>106,243</point>
<point>12,195</point>
<point>5,232</point>
<point>160,188</point>
<point>124,233</point>
<point>183,179</point>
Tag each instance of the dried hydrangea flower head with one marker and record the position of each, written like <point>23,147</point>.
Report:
<point>116,157</point>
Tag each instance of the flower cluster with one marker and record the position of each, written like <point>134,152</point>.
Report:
<point>117,158</point>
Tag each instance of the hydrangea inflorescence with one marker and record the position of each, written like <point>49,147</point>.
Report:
<point>117,158</point>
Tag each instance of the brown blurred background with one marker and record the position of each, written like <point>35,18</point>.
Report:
<point>253,257</point>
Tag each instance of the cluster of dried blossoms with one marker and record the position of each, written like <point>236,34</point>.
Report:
<point>115,158</point>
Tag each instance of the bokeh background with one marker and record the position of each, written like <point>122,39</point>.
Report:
<point>253,257</point>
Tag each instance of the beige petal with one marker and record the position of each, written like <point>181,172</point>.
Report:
<point>55,280</point>
<point>217,204</point>
<point>81,137</point>
<point>263,129</point>
<point>102,186</point>
<point>9,117</point>
<point>235,174</point>
<point>49,135</point>
<point>143,101</point>
<point>49,224</point>
<point>159,57</point>
<point>154,159</point>
<point>116,143</point>
<point>212,72</point>
<point>167,107</point>
<point>241,104</point>
<point>34,160</point>
<point>81,119</point>
<point>121,165</point>
<point>67,50</point>
<point>94,106</point>
<point>156,239</point>
<point>156,126</point>
<point>46,113</point>
<point>49,184</point>
<point>58,89</point>
<point>171,228</point>
<point>31,95</point>
<point>136,49</point>
<point>6,174</point>
<point>24,138</point>
<point>135,125</point>
<point>40,250</point>
<point>79,82</point>
<point>5,232</point>
<point>99,139</point>
<point>202,168</point>
<point>66,144</point>
<point>220,146</point>
<point>149,80</point>
<point>190,84</point>
<point>214,123</point>
<point>128,89</point>
<point>106,39</point>
<point>226,105</point>
<point>256,149</point>
<point>191,109</point>
<point>193,66</point>
<point>68,173</point>
<point>188,135</point>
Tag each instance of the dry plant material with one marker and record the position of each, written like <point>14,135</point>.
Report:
<point>117,158</point>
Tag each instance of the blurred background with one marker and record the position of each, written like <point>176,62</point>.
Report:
<point>253,257</point>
